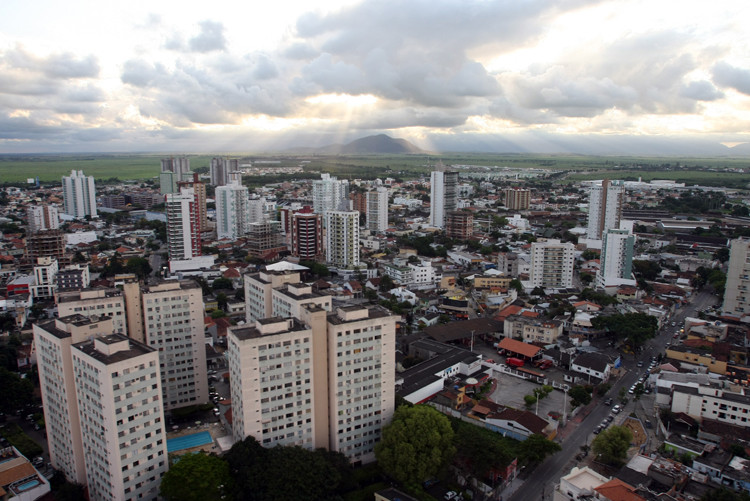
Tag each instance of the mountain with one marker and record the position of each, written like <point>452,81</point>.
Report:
<point>371,145</point>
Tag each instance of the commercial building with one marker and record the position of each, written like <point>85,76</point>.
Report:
<point>42,217</point>
<point>552,264</point>
<point>183,226</point>
<point>517,199</point>
<point>342,239</point>
<point>377,209</point>
<point>307,235</point>
<point>231,211</point>
<point>605,207</point>
<point>443,196</point>
<point>79,195</point>
<point>737,290</point>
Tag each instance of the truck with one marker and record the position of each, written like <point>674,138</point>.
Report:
<point>515,362</point>
<point>543,364</point>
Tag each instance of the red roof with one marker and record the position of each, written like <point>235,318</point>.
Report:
<point>519,347</point>
<point>508,311</point>
<point>617,490</point>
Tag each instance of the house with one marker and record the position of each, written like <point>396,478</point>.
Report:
<point>593,365</point>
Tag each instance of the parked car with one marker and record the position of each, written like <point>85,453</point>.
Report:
<point>450,495</point>
<point>608,401</point>
<point>616,409</point>
<point>640,363</point>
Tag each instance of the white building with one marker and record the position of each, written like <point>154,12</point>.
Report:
<point>443,196</point>
<point>232,217</point>
<point>342,239</point>
<point>377,209</point>
<point>93,303</point>
<point>79,195</point>
<point>221,169</point>
<point>552,264</point>
<point>616,261</point>
<point>42,217</point>
<point>605,207</point>
<point>44,277</point>
<point>712,402</point>
<point>118,390</point>
<point>183,226</point>
<point>737,290</point>
<point>330,194</point>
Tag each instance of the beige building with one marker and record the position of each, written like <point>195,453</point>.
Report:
<point>95,302</point>
<point>532,330</point>
<point>492,282</point>
<point>323,380</point>
<point>272,293</point>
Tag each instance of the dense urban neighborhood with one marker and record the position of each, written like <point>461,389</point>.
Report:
<point>251,329</point>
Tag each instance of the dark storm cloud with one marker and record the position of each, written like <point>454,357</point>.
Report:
<point>727,75</point>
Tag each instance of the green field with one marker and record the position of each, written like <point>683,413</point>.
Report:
<point>51,168</point>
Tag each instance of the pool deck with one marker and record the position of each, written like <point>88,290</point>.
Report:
<point>215,429</point>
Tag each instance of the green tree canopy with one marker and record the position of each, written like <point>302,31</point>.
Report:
<point>724,494</point>
<point>196,477</point>
<point>15,391</point>
<point>535,448</point>
<point>139,266</point>
<point>612,444</point>
<point>579,396</point>
<point>222,283</point>
<point>637,328</point>
<point>481,448</point>
<point>416,445</point>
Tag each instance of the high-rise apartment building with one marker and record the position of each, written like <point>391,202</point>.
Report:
<point>359,201</point>
<point>180,166</point>
<point>737,289</point>
<point>616,260</point>
<point>79,195</point>
<point>42,217</point>
<point>46,243</point>
<point>377,209</point>
<point>183,226</point>
<point>264,240</point>
<point>443,196</point>
<point>221,169</point>
<point>459,225</point>
<point>330,194</point>
<point>307,235</point>
<point>517,199</point>
<point>192,181</point>
<point>232,218</point>
<point>605,207</point>
<point>95,302</point>
<point>118,390</point>
<point>552,264</point>
<point>342,239</point>
<point>323,380</point>
<point>273,293</point>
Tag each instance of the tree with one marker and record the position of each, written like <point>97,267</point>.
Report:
<point>386,283</point>
<point>535,448</point>
<point>481,448</point>
<point>516,284</point>
<point>416,445</point>
<point>15,391</point>
<point>197,477</point>
<point>139,266</point>
<point>579,396</point>
<point>222,301</point>
<point>724,494</point>
<point>222,283</point>
<point>611,445</point>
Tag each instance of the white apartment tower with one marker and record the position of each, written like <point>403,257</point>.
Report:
<point>443,196</point>
<point>323,380</point>
<point>95,302</point>
<point>42,217</point>
<point>180,166</point>
<point>377,209</point>
<point>118,389</point>
<point>737,290</point>
<point>617,257</point>
<point>183,225</point>
<point>605,207</point>
<point>552,264</point>
<point>221,169</point>
<point>330,194</point>
<point>342,238</point>
<point>232,217</point>
<point>79,195</point>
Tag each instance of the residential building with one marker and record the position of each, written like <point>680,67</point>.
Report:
<point>231,211</point>
<point>79,195</point>
<point>737,290</point>
<point>264,240</point>
<point>459,225</point>
<point>330,194</point>
<point>256,209</point>
<point>532,330</point>
<point>221,168</point>
<point>180,166</point>
<point>712,401</point>
<point>580,483</point>
<point>168,182</point>
<point>339,389</point>
<point>258,286</point>
<point>517,199</point>
<point>192,181</point>
<point>46,243</point>
<point>183,226</point>
<point>342,239</point>
<point>42,217</point>
<point>288,300</point>
<point>118,390</point>
<point>377,209</point>
<point>552,264</point>
<point>93,303</point>
<point>359,202</point>
<point>443,195</point>
<point>616,260</point>
<point>45,273</point>
<point>19,479</point>
<point>605,207</point>
<point>592,365</point>
<point>307,235</point>
<point>73,277</point>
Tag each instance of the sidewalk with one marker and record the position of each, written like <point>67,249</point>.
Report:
<point>573,422</point>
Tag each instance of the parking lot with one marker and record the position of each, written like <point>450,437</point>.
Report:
<point>511,390</point>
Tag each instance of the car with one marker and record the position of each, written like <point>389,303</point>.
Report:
<point>608,401</point>
<point>610,418</point>
<point>37,461</point>
<point>490,360</point>
<point>598,430</point>
<point>674,323</point>
<point>450,495</point>
<point>211,373</point>
<point>604,424</point>
<point>616,409</point>
<point>640,363</point>
<point>631,390</point>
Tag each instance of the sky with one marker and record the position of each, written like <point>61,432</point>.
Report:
<point>601,76</point>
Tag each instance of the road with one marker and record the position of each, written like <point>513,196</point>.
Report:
<point>541,481</point>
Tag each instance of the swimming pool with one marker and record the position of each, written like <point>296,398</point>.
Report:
<point>27,485</point>
<point>188,441</point>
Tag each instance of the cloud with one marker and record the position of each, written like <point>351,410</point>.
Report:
<point>211,38</point>
<point>64,65</point>
<point>727,75</point>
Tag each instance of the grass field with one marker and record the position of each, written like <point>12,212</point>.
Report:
<point>50,168</point>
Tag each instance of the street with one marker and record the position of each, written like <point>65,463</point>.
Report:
<point>541,482</point>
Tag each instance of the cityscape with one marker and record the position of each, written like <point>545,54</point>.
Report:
<point>589,334</point>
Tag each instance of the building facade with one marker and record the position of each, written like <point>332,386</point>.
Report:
<point>330,194</point>
<point>377,209</point>
<point>183,226</point>
<point>42,217</point>
<point>342,239</point>
<point>307,235</point>
<point>443,196</point>
<point>459,225</point>
<point>605,207</point>
<point>192,181</point>
<point>79,195</point>
<point>552,264</point>
<point>517,199</point>
<point>221,168</point>
<point>231,211</point>
<point>737,291</point>
<point>616,260</point>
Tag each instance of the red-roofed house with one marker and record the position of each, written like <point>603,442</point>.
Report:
<point>617,490</point>
<point>519,349</point>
